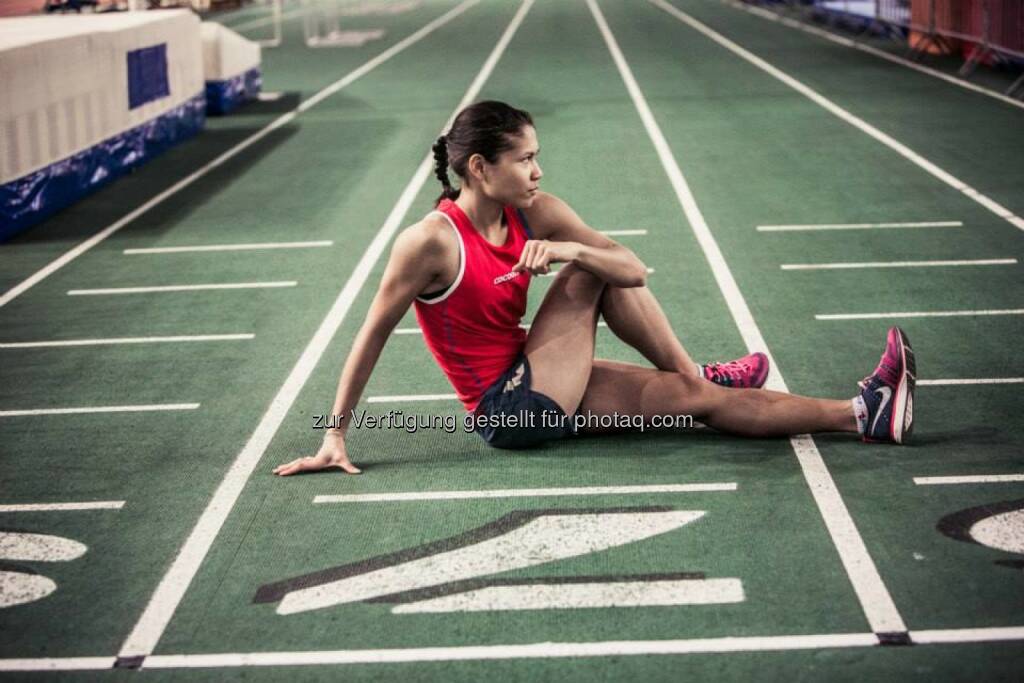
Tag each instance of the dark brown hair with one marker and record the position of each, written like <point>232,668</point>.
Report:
<point>484,128</point>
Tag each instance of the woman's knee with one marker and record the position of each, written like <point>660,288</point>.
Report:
<point>577,280</point>
<point>699,396</point>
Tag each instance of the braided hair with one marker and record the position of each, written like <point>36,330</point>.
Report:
<point>484,128</point>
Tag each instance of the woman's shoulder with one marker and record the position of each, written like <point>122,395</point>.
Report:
<point>548,214</point>
<point>431,235</point>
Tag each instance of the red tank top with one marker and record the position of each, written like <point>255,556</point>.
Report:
<point>472,327</point>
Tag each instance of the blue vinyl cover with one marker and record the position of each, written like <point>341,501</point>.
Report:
<point>223,96</point>
<point>147,75</point>
<point>38,195</point>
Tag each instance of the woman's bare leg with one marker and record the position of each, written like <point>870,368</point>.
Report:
<point>636,317</point>
<point>560,345</point>
<point>630,390</point>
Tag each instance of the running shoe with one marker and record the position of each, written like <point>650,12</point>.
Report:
<point>749,372</point>
<point>888,392</point>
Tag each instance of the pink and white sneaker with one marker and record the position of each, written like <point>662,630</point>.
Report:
<point>888,392</point>
<point>749,372</point>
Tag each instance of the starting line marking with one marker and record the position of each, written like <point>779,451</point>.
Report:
<point>858,226</point>
<point>231,247</point>
<point>64,507</point>
<point>529,651</point>
<point>969,479</point>
<point>623,233</point>
<point>523,493</point>
<point>99,409</point>
<point>125,340</point>
<point>180,288</point>
<point>957,382</point>
<point>915,314</point>
<point>898,264</point>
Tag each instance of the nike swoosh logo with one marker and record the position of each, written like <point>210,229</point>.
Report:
<point>886,393</point>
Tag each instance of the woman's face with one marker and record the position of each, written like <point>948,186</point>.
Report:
<point>514,179</point>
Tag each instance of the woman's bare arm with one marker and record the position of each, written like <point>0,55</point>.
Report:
<point>563,237</point>
<point>417,258</point>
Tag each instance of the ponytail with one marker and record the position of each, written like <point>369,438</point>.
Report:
<point>441,170</point>
<point>485,128</point>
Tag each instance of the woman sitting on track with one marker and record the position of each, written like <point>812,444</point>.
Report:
<point>467,267</point>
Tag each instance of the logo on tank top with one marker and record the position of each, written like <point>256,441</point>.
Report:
<point>512,275</point>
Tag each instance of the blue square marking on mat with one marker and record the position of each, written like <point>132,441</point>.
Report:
<point>147,75</point>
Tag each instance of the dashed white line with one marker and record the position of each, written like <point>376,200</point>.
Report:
<point>255,246</point>
<point>857,226</point>
<point>180,288</point>
<point>64,507</point>
<point>99,409</point>
<point>916,314</point>
<point>126,340</point>
<point>524,493</point>
<point>969,381</point>
<point>969,479</point>
<point>898,264</point>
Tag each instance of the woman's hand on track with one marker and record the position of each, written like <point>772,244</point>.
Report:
<point>331,454</point>
<point>538,255</point>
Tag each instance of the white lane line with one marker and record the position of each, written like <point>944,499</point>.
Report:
<point>529,651</point>
<point>866,128</point>
<point>979,380</point>
<point>857,226</point>
<point>282,120</point>
<point>126,340</point>
<point>64,507</point>
<point>180,288</point>
<point>847,42</point>
<point>411,397</point>
<point>165,600</point>
<point>57,664</point>
<point>968,635</point>
<point>898,264</point>
<point>99,409</point>
<point>524,493</point>
<point>232,247</point>
<point>725,644</point>
<point>416,330</point>
<point>969,479</point>
<point>623,233</point>
<point>916,314</point>
<point>871,591</point>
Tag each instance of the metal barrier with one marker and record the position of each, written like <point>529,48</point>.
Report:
<point>983,31</point>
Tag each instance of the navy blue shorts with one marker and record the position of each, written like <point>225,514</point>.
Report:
<point>512,415</point>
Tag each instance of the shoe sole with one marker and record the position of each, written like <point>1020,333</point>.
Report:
<point>902,424</point>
